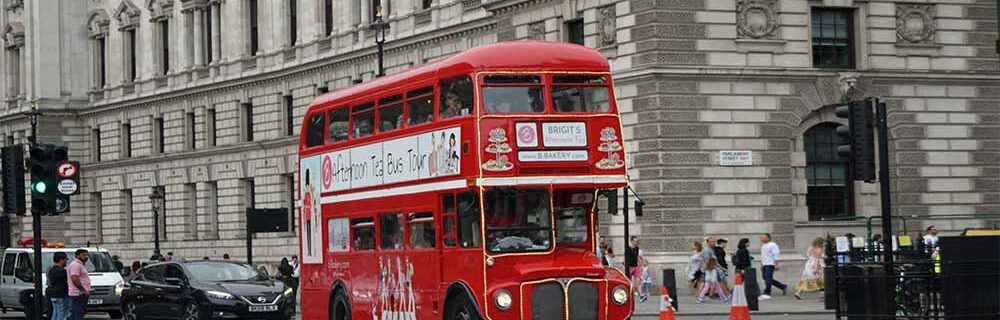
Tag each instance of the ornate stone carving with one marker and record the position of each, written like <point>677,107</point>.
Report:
<point>98,24</point>
<point>847,85</point>
<point>757,19</point>
<point>536,31</point>
<point>606,25</point>
<point>915,23</point>
<point>13,35</point>
<point>160,9</point>
<point>13,4</point>
<point>127,15</point>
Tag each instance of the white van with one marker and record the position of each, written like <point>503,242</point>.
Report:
<point>17,274</point>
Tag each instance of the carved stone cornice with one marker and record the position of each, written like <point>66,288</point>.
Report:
<point>193,5</point>
<point>160,9</point>
<point>98,24</point>
<point>13,35</point>
<point>127,15</point>
<point>506,6</point>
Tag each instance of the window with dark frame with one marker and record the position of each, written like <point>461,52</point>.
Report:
<point>164,46</point>
<point>363,234</point>
<point>448,232</point>
<point>390,113</point>
<point>210,134</point>
<point>469,220</point>
<point>132,74</point>
<point>362,120</point>
<point>574,31</point>
<point>247,121</point>
<point>426,4</point>
<point>293,22</point>
<point>287,101</point>
<point>102,44</point>
<point>829,189</point>
<point>253,36</point>
<point>207,31</point>
<point>420,106</point>
<point>327,18</point>
<point>421,230</point>
<point>833,38</point>
<point>95,138</point>
<point>391,231</point>
<point>126,140</point>
<point>161,140</point>
<point>314,130</point>
<point>340,120</point>
<point>190,130</point>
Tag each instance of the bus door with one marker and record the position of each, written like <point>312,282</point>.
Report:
<point>461,234</point>
<point>423,266</point>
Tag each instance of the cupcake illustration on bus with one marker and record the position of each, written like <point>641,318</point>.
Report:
<point>499,148</point>
<point>610,144</point>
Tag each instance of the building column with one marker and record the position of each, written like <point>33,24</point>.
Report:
<point>11,62</point>
<point>199,54</point>
<point>216,33</point>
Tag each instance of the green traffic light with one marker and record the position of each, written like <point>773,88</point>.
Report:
<point>39,187</point>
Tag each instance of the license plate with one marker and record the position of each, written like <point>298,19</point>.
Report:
<point>95,301</point>
<point>270,308</point>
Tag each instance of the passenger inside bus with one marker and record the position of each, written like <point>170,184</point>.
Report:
<point>456,99</point>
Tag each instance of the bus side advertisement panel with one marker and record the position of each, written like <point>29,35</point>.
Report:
<point>309,211</point>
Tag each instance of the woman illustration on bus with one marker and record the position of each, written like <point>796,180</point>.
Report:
<point>307,208</point>
<point>452,166</point>
<point>432,157</point>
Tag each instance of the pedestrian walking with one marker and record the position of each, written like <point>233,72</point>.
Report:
<point>285,270</point>
<point>931,238</point>
<point>58,288</point>
<point>720,257</point>
<point>119,265</point>
<point>711,281</point>
<point>694,266</point>
<point>812,273</point>
<point>633,256</point>
<point>742,259</point>
<point>295,273</point>
<point>769,255</point>
<point>79,288</point>
<point>647,281</point>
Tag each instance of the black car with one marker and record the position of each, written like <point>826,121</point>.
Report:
<point>206,290</point>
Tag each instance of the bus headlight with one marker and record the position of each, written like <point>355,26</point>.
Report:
<point>619,295</point>
<point>503,299</point>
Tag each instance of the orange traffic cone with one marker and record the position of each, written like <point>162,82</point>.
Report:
<point>666,305</point>
<point>740,310</point>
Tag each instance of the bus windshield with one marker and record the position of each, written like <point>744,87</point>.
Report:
<point>518,219</point>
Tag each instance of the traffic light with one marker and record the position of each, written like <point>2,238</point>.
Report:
<point>12,160</point>
<point>858,139</point>
<point>46,192</point>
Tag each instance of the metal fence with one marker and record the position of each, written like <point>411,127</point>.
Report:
<point>919,285</point>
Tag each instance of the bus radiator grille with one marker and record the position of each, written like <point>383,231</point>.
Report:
<point>583,296</point>
<point>547,302</point>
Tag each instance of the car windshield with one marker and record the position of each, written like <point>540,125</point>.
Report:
<point>222,271</point>
<point>99,261</point>
<point>518,219</point>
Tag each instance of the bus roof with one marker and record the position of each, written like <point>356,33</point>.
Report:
<point>515,55</point>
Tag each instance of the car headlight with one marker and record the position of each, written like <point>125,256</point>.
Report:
<point>119,287</point>
<point>219,295</point>
<point>619,295</point>
<point>503,299</point>
<point>288,291</point>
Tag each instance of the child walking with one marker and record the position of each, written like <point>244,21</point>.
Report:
<point>647,282</point>
<point>711,281</point>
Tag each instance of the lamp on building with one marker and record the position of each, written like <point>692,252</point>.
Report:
<point>380,27</point>
<point>156,200</point>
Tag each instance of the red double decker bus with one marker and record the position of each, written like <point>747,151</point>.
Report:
<point>463,189</point>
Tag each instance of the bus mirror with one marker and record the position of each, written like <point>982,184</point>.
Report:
<point>612,196</point>
<point>638,207</point>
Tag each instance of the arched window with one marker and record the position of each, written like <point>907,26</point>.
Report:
<point>830,192</point>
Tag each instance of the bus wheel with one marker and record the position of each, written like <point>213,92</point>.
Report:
<point>461,308</point>
<point>340,308</point>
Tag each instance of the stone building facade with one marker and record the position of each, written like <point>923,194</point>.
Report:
<point>204,98</point>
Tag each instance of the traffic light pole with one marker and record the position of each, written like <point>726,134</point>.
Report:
<point>883,179</point>
<point>36,227</point>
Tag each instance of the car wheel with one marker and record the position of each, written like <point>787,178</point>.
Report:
<point>340,309</point>
<point>192,312</point>
<point>461,309</point>
<point>130,311</point>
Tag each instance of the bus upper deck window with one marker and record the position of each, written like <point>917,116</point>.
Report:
<point>339,120</point>
<point>363,120</point>
<point>580,94</point>
<point>420,106</point>
<point>456,97</point>
<point>314,131</point>
<point>390,113</point>
<point>513,94</point>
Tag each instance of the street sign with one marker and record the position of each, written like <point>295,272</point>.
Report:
<point>67,186</point>
<point>66,169</point>
<point>735,158</point>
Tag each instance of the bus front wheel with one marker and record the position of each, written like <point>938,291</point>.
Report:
<point>340,308</point>
<point>461,308</point>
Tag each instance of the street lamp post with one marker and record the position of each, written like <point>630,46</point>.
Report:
<point>379,26</point>
<point>156,199</point>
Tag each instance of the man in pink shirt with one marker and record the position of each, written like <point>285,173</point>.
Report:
<point>79,285</point>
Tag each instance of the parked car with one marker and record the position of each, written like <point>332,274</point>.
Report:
<point>17,279</point>
<point>206,290</point>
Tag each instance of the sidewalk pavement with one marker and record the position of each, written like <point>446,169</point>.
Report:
<point>811,303</point>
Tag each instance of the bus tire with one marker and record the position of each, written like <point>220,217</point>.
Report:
<point>461,308</point>
<point>340,307</point>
